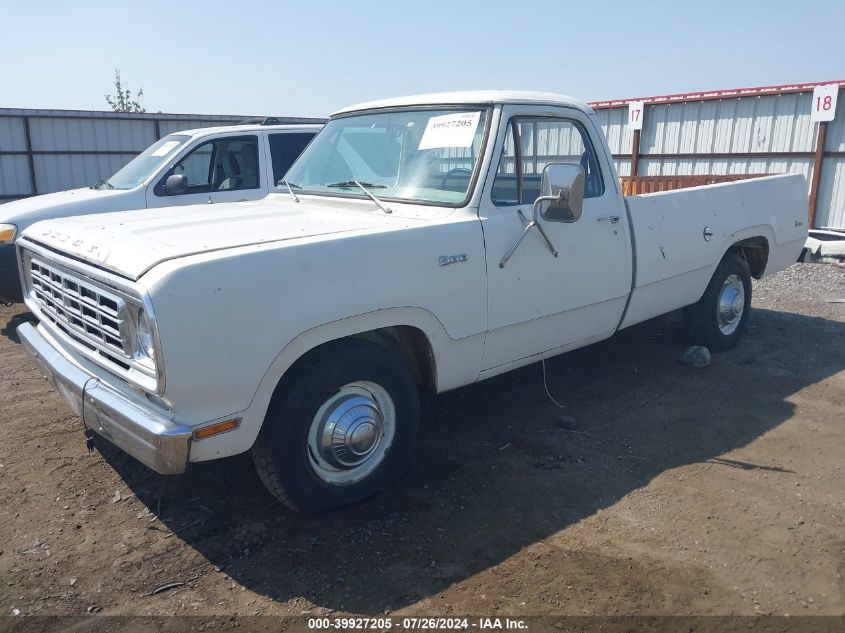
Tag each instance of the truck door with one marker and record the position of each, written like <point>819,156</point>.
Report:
<point>224,169</point>
<point>539,303</point>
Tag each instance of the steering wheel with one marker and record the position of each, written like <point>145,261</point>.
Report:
<point>452,172</point>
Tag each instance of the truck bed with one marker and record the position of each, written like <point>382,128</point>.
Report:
<point>673,262</point>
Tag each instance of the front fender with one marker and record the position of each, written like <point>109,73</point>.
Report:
<point>457,362</point>
<point>231,322</point>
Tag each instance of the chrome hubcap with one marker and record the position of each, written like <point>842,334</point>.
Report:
<point>731,304</point>
<point>351,433</point>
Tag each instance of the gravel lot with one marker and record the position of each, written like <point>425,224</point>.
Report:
<point>660,489</point>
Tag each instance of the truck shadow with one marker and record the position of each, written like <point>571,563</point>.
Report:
<point>10,330</point>
<point>499,467</point>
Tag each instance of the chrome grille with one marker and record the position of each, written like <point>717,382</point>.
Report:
<point>92,316</point>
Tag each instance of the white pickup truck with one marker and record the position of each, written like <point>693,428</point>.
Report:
<point>417,245</point>
<point>208,165</point>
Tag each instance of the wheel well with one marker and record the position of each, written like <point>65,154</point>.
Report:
<point>410,342</point>
<point>755,251</point>
<point>413,345</point>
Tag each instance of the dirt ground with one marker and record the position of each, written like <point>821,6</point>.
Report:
<point>660,489</point>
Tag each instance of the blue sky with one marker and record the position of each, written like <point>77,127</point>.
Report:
<point>308,58</point>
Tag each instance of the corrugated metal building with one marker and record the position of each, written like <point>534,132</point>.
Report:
<point>763,130</point>
<point>42,151</point>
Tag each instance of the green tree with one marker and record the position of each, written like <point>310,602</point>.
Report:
<point>122,99</point>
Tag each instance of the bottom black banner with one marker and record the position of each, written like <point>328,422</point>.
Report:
<point>273,624</point>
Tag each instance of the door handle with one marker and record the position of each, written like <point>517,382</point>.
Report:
<point>613,219</point>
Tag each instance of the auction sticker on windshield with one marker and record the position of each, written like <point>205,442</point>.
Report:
<point>165,148</point>
<point>450,130</point>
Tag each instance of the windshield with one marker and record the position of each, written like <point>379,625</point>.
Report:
<point>420,155</point>
<point>148,162</point>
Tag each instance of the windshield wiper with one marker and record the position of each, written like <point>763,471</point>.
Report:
<point>102,183</point>
<point>290,188</point>
<point>348,184</point>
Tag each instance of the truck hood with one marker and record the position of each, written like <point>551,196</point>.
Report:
<point>129,243</point>
<point>27,211</point>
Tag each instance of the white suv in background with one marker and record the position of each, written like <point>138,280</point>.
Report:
<point>208,165</point>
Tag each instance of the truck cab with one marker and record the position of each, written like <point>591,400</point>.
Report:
<point>211,165</point>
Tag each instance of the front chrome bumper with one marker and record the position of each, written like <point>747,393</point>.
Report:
<point>148,436</point>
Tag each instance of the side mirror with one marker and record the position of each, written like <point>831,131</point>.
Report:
<point>176,184</point>
<point>562,192</point>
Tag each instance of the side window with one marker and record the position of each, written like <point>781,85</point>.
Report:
<point>236,166</point>
<point>286,148</point>
<point>196,166</point>
<point>532,143</point>
<point>225,164</point>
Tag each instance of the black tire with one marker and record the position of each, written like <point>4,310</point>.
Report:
<point>701,319</point>
<point>281,453</point>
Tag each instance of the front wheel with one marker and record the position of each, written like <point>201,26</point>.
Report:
<point>719,318</point>
<point>340,428</point>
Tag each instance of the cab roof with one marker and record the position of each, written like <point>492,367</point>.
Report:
<point>252,127</point>
<point>472,97</point>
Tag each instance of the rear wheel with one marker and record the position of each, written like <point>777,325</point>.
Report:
<point>340,428</point>
<point>719,318</point>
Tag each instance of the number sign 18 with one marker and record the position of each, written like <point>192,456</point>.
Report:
<point>824,102</point>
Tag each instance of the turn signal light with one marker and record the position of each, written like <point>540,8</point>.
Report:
<point>216,429</point>
<point>7,233</point>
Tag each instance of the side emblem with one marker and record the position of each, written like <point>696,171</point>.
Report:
<point>445,260</point>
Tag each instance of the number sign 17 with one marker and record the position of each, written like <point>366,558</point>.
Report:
<point>636,112</point>
<point>824,102</point>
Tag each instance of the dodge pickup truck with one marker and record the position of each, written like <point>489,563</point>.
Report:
<point>417,245</point>
<point>213,164</point>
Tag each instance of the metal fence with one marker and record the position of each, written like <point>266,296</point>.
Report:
<point>42,151</point>
<point>764,130</point>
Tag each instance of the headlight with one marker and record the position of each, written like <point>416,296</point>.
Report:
<point>8,233</point>
<point>144,345</point>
